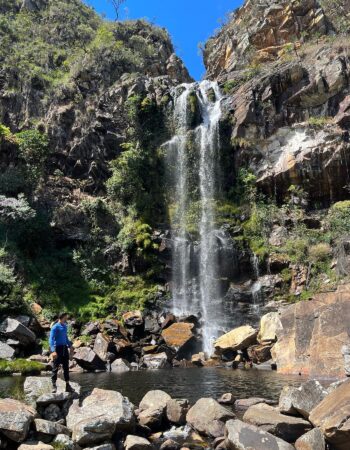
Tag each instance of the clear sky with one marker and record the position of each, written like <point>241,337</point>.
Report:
<point>189,22</point>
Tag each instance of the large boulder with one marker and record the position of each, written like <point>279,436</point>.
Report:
<point>242,436</point>
<point>179,336</point>
<point>313,334</point>
<point>120,365</point>
<point>332,416</point>
<point>208,417</point>
<point>133,318</point>
<point>152,408</point>
<point>156,361</point>
<point>237,339</point>
<point>136,443</point>
<point>47,430</point>
<point>269,419</point>
<point>176,411</point>
<point>38,391</point>
<point>312,440</point>
<point>15,419</point>
<point>259,353</point>
<point>13,329</point>
<point>101,347</point>
<point>100,415</point>
<point>302,399</point>
<point>270,324</point>
<point>6,352</point>
<point>88,359</point>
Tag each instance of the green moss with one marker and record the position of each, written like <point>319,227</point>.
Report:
<point>21,366</point>
<point>230,86</point>
<point>319,122</point>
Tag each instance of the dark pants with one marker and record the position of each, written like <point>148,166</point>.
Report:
<point>61,360</point>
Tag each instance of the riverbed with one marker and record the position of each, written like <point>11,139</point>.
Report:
<point>192,383</point>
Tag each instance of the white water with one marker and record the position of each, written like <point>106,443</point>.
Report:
<point>199,291</point>
<point>256,287</point>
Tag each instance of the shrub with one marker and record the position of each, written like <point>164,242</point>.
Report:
<point>21,366</point>
<point>319,122</point>
<point>338,220</point>
<point>320,252</point>
<point>34,150</point>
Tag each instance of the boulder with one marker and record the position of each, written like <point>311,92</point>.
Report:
<point>270,324</point>
<point>155,361</point>
<point>237,339</point>
<point>303,399</point>
<point>15,419</point>
<point>50,428</point>
<point>90,329</point>
<point>179,335</point>
<point>170,444</point>
<point>242,436</point>
<point>52,413</point>
<point>13,329</point>
<point>332,416</point>
<point>198,359</point>
<point>259,353</point>
<point>271,420</point>
<point>101,347</point>
<point>136,443</point>
<point>313,334</point>
<point>100,415</point>
<point>312,440</point>
<point>176,411</point>
<point>226,399</point>
<point>120,365</point>
<point>35,445</point>
<point>133,318</point>
<point>243,404</point>
<point>151,418</point>
<point>208,417</point>
<point>38,391</point>
<point>6,352</point>
<point>88,359</point>
<point>152,408</point>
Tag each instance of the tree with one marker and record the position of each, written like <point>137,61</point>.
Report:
<point>117,4</point>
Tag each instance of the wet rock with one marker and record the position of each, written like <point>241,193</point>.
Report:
<point>35,445</point>
<point>270,323</point>
<point>332,416</point>
<point>208,417</point>
<point>312,440</point>
<point>303,399</point>
<point>6,352</point>
<point>50,429</point>
<point>15,419</point>
<point>88,359</point>
<point>271,420</point>
<point>178,336</point>
<point>101,347</point>
<point>38,391</point>
<point>237,339</point>
<point>226,399</point>
<point>156,361</point>
<point>176,411</point>
<point>13,329</point>
<point>259,353</point>
<point>244,403</point>
<point>243,436</point>
<point>136,443</point>
<point>313,334</point>
<point>120,365</point>
<point>133,319</point>
<point>100,415</point>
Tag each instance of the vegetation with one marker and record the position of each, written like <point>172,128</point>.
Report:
<point>21,366</point>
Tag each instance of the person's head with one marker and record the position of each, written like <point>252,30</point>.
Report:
<point>62,317</point>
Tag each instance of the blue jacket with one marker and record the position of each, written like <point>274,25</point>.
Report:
<point>59,336</point>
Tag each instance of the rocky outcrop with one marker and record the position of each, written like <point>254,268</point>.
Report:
<point>313,334</point>
<point>15,419</point>
<point>13,329</point>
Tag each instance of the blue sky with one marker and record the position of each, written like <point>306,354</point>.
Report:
<point>188,21</point>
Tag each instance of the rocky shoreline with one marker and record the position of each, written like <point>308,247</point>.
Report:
<point>306,417</point>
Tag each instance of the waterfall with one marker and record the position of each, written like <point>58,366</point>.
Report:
<point>196,277</point>
<point>256,287</point>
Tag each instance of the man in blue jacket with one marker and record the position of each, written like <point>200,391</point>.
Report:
<point>59,346</point>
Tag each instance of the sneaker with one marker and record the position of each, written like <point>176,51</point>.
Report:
<point>54,389</point>
<point>69,388</point>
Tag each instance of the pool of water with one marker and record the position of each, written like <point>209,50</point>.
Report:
<point>191,383</point>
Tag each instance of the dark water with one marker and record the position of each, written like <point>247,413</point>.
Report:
<point>179,383</point>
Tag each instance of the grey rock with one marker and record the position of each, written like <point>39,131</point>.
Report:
<point>242,436</point>
<point>102,447</point>
<point>38,391</point>
<point>88,359</point>
<point>136,443</point>
<point>345,350</point>
<point>52,413</point>
<point>269,419</point>
<point>176,411</point>
<point>226,399</point>
<point>156,361</point>
<point>208,417</point>
<point>312,440</point>
<point>15,419</point>
<point>13,329</point>
<point>64,441</point>
<point>120,365</point>
<point>6,352</point>
<point>152,408</point>
<point>101,347</point>
<point>50,428</point>
<point>243,404</point>
<point>35,445</point>
<point>100,415</point>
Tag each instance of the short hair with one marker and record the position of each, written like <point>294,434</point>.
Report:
<point>62,315</point>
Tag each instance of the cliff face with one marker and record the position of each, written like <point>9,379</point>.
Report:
<point>285,66</point>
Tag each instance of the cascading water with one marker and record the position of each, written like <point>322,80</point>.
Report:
<point>197,289</point>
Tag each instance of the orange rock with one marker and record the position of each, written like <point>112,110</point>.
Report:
<point>178,334</point>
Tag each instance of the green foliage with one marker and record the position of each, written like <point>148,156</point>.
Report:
<point>319,122</point>
<point>21,366</point>
<point>15,209</point>
<point>338,219</point>
<point>135,236</point>
<point>5,133</point>
<point>34,150</point>
<point>320,252</point>
<point>230,86</point>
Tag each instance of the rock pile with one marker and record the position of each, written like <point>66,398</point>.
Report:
<point>106,420</point>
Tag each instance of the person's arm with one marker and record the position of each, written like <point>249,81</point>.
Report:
<point>52,340</point>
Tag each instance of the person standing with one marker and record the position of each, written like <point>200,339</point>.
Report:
<point>59,346</point>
